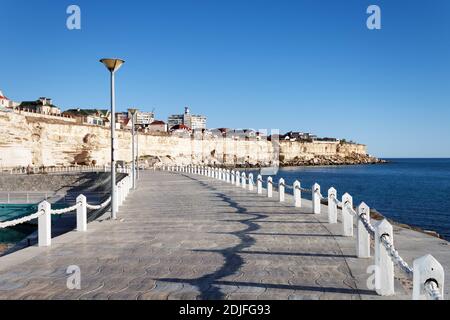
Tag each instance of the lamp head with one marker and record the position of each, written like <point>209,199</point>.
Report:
<point>112,64</point>
<point>132,111</point>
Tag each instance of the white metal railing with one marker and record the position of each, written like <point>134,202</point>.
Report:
<point>52,169</point>
<point>81,206</point>
<point>427,273</point>
<point>58,169</point>
<point>24,197</point>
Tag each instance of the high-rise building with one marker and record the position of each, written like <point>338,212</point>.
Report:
<point>192,121</point>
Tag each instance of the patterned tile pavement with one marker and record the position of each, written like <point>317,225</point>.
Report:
<point>183,236</point>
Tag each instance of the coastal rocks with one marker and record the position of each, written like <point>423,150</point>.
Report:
<point>334,160</point>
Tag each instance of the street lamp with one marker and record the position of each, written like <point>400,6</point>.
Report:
<point>113,65</point>
<point>137,154</point>
<point>133,130</point>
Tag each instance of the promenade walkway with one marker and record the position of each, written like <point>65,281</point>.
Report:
<point>182,236</point>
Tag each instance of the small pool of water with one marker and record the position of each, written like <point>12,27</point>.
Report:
<point>13,211</point>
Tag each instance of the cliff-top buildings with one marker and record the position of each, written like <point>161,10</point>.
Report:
<point>194,122</point>
<point>7,103</point>
<point>43,106</point>
<point>89,116</point>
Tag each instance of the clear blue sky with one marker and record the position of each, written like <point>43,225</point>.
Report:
<point>307,65</point>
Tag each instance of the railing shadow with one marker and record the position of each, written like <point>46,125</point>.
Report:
<point>207,284</point>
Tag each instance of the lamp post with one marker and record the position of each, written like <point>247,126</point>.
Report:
<point>113,65</point>
<point>137,152</point>
<point>133,131</point>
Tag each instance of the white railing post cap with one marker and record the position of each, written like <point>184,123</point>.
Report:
<point>427,268</point>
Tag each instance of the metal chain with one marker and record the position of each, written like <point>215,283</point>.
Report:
<point>369,227</point>
<point>395,256</point>
<point>320,194</point>
<point>12,223</point>
<point>65,210</point>
<point>338,203</point>
<point>432,290</point>
<point>100,206</point>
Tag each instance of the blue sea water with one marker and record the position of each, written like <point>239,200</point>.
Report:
<point>411,191</point>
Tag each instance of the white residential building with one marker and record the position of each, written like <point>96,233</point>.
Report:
<point>6,103</point>
<point>194,122</point>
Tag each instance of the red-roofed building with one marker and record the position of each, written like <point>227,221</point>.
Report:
<point>180,128</point>
<point>5,102</point>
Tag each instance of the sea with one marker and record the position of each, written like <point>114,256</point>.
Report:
<point>411,191</point>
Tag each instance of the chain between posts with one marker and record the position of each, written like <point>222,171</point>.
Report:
<point>36,215</point>
<point>100,206</point>
<point>15,222</point>
<point>65,210</point>
<point>395,256</point>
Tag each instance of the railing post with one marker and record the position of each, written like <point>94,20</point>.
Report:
<point>238,178</point>
<point>81,213</point>
<point>220,174</point>
<point>244,180</point>
<point>120,193</point>
<point>316,198</point>
<point>347,216</point>
<point>269,187</point>
<point>332,205</point>
<point>385,266</point>
<point>281,190</point>
<point>426,269</point>
<point>45,225</point>
<point>363,236</point>
<point>250,182</point>
<point>297,194</point>
<point>259,184</point>
<point>228,176</point>
<point>233,178</point>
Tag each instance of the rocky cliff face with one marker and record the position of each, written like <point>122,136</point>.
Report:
<point>38,141</point>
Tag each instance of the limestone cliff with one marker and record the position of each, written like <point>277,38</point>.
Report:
<point>51,142</point>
